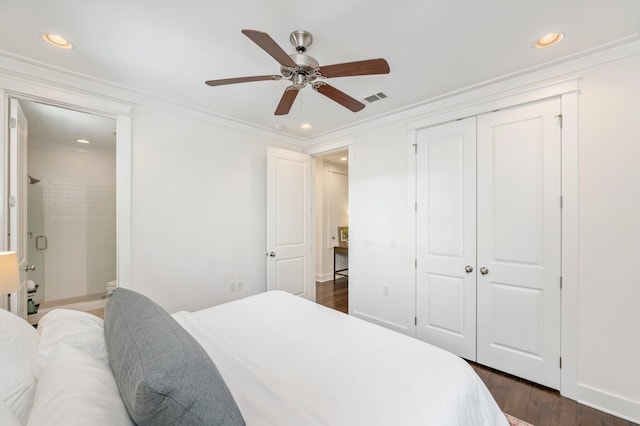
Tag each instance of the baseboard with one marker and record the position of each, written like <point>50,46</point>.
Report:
<point>609,403</point>
<point>323,278</point>
<point>400,328</point>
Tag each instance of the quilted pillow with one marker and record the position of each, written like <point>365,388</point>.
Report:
<point>164,376</point>
<point>19,346</point>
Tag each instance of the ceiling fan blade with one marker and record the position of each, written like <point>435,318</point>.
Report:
<point>349,69</point>
<point>339,97</point>
<point>271,47</point>
<point>224,81</point>
<point>286,101</point>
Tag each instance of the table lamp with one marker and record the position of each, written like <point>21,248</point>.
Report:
<point>9,273</point>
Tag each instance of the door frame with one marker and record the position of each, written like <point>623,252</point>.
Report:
<point>121,112</point>
<point>317,151</point>
<point>568,91</point>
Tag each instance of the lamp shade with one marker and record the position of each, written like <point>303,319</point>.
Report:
<point>9,273</point>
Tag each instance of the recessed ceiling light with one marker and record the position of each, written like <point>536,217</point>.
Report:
<point>57,41</point>
<point>549,40</point>
<point>82,141</point>
<point>343,158</point>
<point>306,126</point>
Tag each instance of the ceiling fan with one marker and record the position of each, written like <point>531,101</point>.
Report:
<point>302,69</point>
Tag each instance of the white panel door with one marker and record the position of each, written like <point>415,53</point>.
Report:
<point>289,226</point>
<point>518,259</point>
<point>18,200</point>
<point>446,236</point>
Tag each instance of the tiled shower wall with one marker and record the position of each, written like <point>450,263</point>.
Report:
<point>79,209</point>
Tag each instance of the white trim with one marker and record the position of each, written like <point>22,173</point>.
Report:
<point>516,81</point>
<point>497,101</point>
<point>327,148</point>
<point>353,227</point>
<point>569,295</point>
<point>400,328</point>
<point>412,196</point>
<point>123,199</point>
<point>609,403</point>
<point>121,112</point>
<point>25,72</point>
<point>4,181</point>
<point>568,92</point>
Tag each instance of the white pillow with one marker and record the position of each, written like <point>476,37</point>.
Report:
<point>6,416</point>
<point>77,389</point>
<point>18,348</point>
<point>81,330</point>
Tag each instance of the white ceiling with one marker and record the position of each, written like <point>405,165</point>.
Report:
<point>168,48</point>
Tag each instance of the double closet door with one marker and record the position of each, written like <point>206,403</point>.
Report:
<point>488,239</point>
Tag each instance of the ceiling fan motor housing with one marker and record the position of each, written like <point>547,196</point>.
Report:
<point>301,40</point>
<point>306,70</point>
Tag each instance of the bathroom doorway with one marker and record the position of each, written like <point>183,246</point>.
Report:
<point>71,225</point>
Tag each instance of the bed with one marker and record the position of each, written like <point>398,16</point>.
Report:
<point>269,359</point>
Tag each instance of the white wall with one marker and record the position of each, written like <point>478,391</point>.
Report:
<point>609,231</point>
<point>379,241</point>
<point>79,203</point>
<point>198,210</point>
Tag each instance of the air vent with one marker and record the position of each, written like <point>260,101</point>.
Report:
<point>376,97</point>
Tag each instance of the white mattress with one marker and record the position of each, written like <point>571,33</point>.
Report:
<point>288,361</point>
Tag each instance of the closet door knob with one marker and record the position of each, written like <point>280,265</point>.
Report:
<point>484,271</point>
<point>468,269</point>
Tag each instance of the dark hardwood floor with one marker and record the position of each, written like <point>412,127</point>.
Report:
<point>528,401</point>
<point>334,296</point>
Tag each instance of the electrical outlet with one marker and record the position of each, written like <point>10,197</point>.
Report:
<point>233,286</point>
<point>239,286</point>
<point>385,291</point>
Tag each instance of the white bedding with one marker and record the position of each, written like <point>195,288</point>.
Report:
<point>288,361</point>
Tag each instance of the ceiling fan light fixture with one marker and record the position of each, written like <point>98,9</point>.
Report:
<point>548,40</point>
<point>306,126</point>
<point>56,40</point>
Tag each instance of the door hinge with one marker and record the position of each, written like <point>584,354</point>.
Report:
<point>415,320</point>
<point>415,263</point>
<point>415,148</point>
<point>560,362</point>
<point>416,206</point>
<point>12,123</point>
<point>561,201</point>
<point>561,283</point>
<point>560,119</point>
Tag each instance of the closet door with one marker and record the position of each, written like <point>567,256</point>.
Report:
<point>519,241</point>
<point>446,235</point>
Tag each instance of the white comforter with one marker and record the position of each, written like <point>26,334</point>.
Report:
<point>288,361</point>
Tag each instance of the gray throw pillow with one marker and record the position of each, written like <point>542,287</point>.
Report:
<point>164,376</point>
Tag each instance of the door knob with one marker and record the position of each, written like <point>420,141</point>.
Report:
<point>484,271</point>
<point>30,268</point>
<point>270,253</point>
<point>468,269</point>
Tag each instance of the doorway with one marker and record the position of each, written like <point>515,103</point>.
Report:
<point>332,228</point>
<point>71,208</point>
